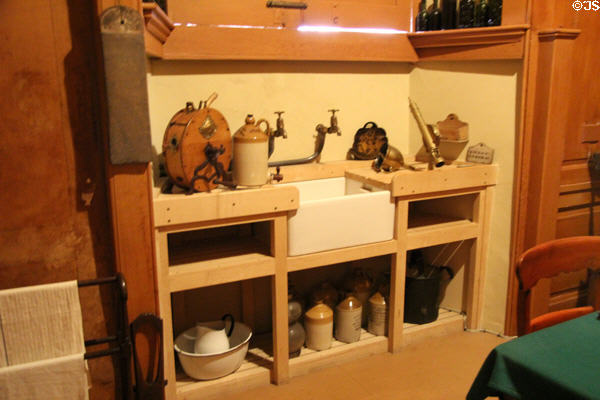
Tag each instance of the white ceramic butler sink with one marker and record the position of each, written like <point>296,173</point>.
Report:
<point>336,213</point>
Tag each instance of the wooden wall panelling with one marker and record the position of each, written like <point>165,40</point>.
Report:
<point>55,226</point>
<point>201,31</point>
<point>515,12</point>
<point>583,115</point>
<point>377,14</point>
<point>201,42</point>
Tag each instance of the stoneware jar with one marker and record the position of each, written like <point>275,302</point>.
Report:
<point>318,322</point>
<point>325,293</point>
<point>361,286</point>
<point>296,333</point>
<point>251,154</point>
<point>347,320</point>
<point>378,315</point>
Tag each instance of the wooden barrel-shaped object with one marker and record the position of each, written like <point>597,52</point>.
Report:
<point>189,134</point>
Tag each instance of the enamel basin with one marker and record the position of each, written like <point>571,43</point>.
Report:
<point>336,213</point>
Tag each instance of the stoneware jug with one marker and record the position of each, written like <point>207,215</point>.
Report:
<point>213,337</point>
<point>360,284</point>
<point>251,153</point>
<point>318,322</point>
<point>378,315</point>
<point>347,320</point>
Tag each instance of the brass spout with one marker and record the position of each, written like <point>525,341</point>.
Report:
<point>430,136</point>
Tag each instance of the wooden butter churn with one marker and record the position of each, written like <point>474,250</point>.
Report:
<point>197,147</point>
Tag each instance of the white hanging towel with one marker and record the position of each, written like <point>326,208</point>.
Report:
<point>42,338</point>
<point>53,379</point>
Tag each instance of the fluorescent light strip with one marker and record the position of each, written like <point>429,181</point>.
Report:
<point>308,28</point>
<point>330,29</point>
<point>191,25</point>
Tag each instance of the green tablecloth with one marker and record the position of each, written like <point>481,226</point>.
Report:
<point>560,362</point>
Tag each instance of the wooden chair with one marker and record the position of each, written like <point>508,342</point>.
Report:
<point>547,260</point>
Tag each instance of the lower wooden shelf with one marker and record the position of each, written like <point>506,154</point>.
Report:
<point>447,322</point>
<point>254,371</point>
<point>247,377</point>
<point>256,368</point>
<point>437,230</point>
<point>339,353</point>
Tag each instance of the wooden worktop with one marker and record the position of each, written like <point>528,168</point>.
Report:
<point>220,204</point>
<point>408,182</point>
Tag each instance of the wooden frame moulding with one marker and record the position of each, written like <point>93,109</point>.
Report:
<point>158,27</point>
<point>489,43</point>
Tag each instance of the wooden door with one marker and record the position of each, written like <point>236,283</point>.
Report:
<point>576,214</point>
<point>561,118</point>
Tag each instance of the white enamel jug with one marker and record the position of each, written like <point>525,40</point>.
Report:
<point>213,337</point>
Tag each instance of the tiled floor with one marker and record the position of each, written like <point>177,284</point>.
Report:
<point>441,368</point>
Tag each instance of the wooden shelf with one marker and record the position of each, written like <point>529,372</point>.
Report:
<point>447,322</point>
<point>407,184</point>
<point>254,371</point>
<point>216,272</point>
<point>497,42</point>
<point>218,261</point>
<point>339,353</point>
<point>336,256</point>
<point>431,230</point>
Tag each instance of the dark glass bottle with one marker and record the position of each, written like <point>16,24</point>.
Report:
<point>495,13</point>
<point>421,21</point>
<point>435,18</point>
<point>466,14</point>
<point>448,14</point>
<point>482,13</point>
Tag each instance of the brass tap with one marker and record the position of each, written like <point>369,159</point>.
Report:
<point>333,122</point>
<point>280,130</point>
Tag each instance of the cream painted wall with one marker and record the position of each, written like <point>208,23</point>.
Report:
<point>304,90</point>
<point>482,93</point>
